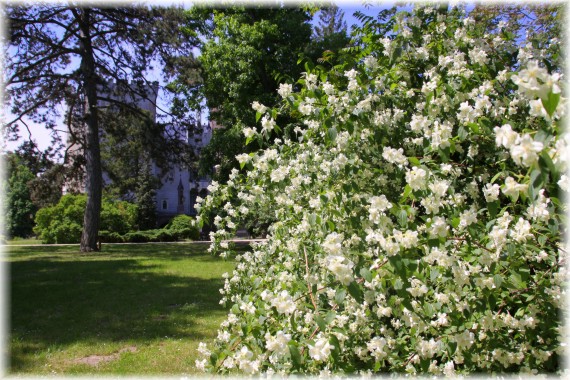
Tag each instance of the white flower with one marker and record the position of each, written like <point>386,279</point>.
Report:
<point>536,108</point>
<point>284,303</point>
<point>310,81</point>
<point>201,364</point>
<point>427,349</point>
<point>418,288</point>
<point>306,108</point>
<point>505,136</point>
<point>351,74</point>
<point>478,55</point>
<point>328,88</point>
<point>464,340</point>
<point>538,210</point>
<point>243,158</point>
<point>321,350</point>
<point>377,347</point>
<point>467,217</point>
<point>449,369</point>
<point>229,362</point>
<point>341,267</point>
<point>467,114</point>
<point>371,62</point>
<point>491,192</point>
<point>524,151</point>
<point>512,188</point>
<point>203,349</point>
<point>564,182</point>
<point>333,243</point>
<point>285,89</point>
<point>498,236</point>
<point>267,124</point>
<point>531,80</point>
<point>419,123</point>
<point>279,174</point>
<point>521,230</point>
<point>439,227</point>
<point>224,336</point>
<point>416,178</point>
<point>377,207</point>
<point>248,308</point>
<point>248,132</point>
<point>394,156</point>
<point>277,343</point>
<point>259,107</point>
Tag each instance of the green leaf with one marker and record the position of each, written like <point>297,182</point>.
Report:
<point>366,274</point>
<point>321,322</point>
<point>550,103</point>
<point>546,164</point>
<point>474,127</point>
<point>213,359</point>
<point>493,208</point>
<point>396,54</point>
<point>407,192</point>
<point>312,219</point>
<point>295,356</point>
<point>495,177</point>
<point>355,291</point>
<point>414,161</point>
<point>492,301</point>
<point>330,225</point>
<point>498,279</point>
<point>333,340</point>
<point>339,296</point>
<point>398,284</point>
<point>444,154</point>
<point>451,347</point>
<point>403,218</point>
<point>332,134</point>
<point>462,133</point>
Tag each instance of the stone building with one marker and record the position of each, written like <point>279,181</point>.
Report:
<point>180,186</point>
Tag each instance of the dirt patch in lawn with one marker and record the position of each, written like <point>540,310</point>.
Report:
<point>95,360</point>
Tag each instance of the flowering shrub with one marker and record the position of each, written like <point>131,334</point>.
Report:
<point>418,212</point>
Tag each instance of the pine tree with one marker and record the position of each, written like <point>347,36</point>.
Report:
<point>331,21</point>
<point>62,53</point>
<point>145,196</point>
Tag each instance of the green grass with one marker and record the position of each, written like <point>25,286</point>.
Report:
<point>143,307</point>
<point>21,241</point>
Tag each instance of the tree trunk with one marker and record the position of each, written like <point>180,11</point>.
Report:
<point>93,175</point>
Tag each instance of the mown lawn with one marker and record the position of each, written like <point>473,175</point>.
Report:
<point>131,309</point>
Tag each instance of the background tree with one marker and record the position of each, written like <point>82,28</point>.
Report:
<point>66,55</point>
<point>539,24</point>
<point>130,143</point>
<point>145,199</point>
<point>330,35</point>
<point>247,52</point>
<point>20,210</point>
<point>46,186</point>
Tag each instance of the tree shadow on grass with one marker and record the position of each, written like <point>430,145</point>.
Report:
<point>58,303</point>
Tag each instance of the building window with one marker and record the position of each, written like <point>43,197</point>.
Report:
<point>165,204</point>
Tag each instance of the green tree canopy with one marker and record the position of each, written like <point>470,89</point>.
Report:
<point>20,210</point>
<point>247,53</point>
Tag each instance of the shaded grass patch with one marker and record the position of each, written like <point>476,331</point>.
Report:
<point>141,309</point>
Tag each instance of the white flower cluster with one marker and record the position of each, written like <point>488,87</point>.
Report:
<point>417,225</point>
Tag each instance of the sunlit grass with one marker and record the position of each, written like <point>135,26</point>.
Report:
<point>21,241</point>
<point>133,309</point>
